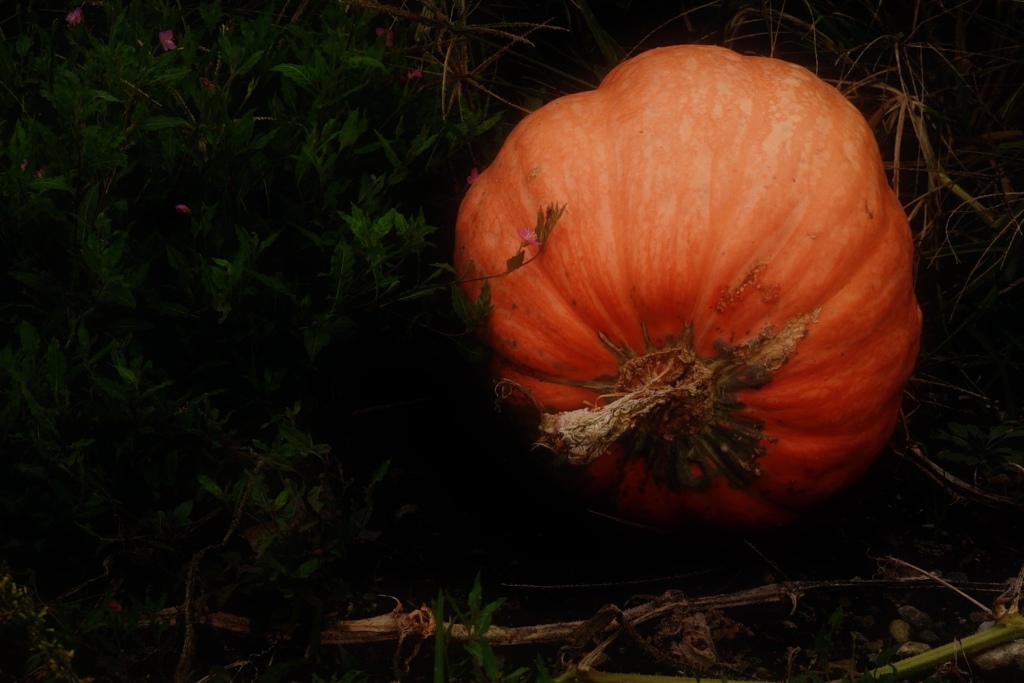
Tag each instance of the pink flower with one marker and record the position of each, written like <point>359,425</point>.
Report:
<point>114,606</point>
<point>41,173</point>
<point>415,73</point>
<point>74,17</point>
<point>473,175</point>
<point>24,163</point>
<point>527,237</point>
<point>206,83</point>
<point>389,36</point>
<point>183,209</point>
<point>167,40</point>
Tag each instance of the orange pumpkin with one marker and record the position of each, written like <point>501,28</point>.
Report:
<point>719,328</point>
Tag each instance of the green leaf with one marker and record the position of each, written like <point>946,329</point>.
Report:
<point>177,260</point>
<point>23,44</point>
<point>42,281</point>
<point>475,595</point>
<point>171,309</point>
<point>389,151</point>
<point>180,514</point>
<point>447,267</point>
<point>210,12</point>
<point>46,184</point>
<point>117,293</point>
<point>314,498</point>
<point>515,262</point>
<point>307,568</point>
<point>241,130</point>
<point>44,416</point>
<point>102,96</point>
<point>343,263</point>
<point>957,429</point>
<point>162,122</point>
<point>362,227</point>
<point>610,50</point>
<point>110,388</point>
<point>472,313</point>
<point>295,72</point>
<point>356,61</point>
<point>282,499</point>
<point>250,61</point>
<point>421,144</point>
<point>273,284</point>
<point>380,472</point>
<point>55,368</point>
<point>82,334</point>
<point>315,338</point>
<point>29,338</point>
<point>127,374</point>
<point>355,125</point>
<point>210,485</point>
<point>263,139</point>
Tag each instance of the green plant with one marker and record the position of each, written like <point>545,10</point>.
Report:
<point>25,638</point>
<point>206,214</point>
<point>999,447</point>
<point>484,663</point>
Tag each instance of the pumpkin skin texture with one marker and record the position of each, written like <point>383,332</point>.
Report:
<point>718,330</point>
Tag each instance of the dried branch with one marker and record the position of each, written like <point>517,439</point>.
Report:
<point>958,488</point>
<point>420,622</point>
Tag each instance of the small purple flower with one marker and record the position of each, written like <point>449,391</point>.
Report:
<point>389,36</point>
<point>183,209</point>
<point>74,17</point>
<point>527,237</point>
<point>473,175</point>
<point>167,40</point>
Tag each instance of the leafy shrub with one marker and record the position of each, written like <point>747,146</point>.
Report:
<point>206,215</point>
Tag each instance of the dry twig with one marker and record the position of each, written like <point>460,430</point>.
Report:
<point>401,624</point>
<point>958,488</point>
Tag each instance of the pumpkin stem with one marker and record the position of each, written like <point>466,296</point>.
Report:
<point>678,409</point>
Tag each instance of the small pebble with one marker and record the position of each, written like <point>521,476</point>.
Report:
<point>1004,656</point>
<point>911,648</point>
<point>899,630</point>
<point>915,617</point>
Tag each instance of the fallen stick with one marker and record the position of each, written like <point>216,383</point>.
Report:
<point>420,623</point>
